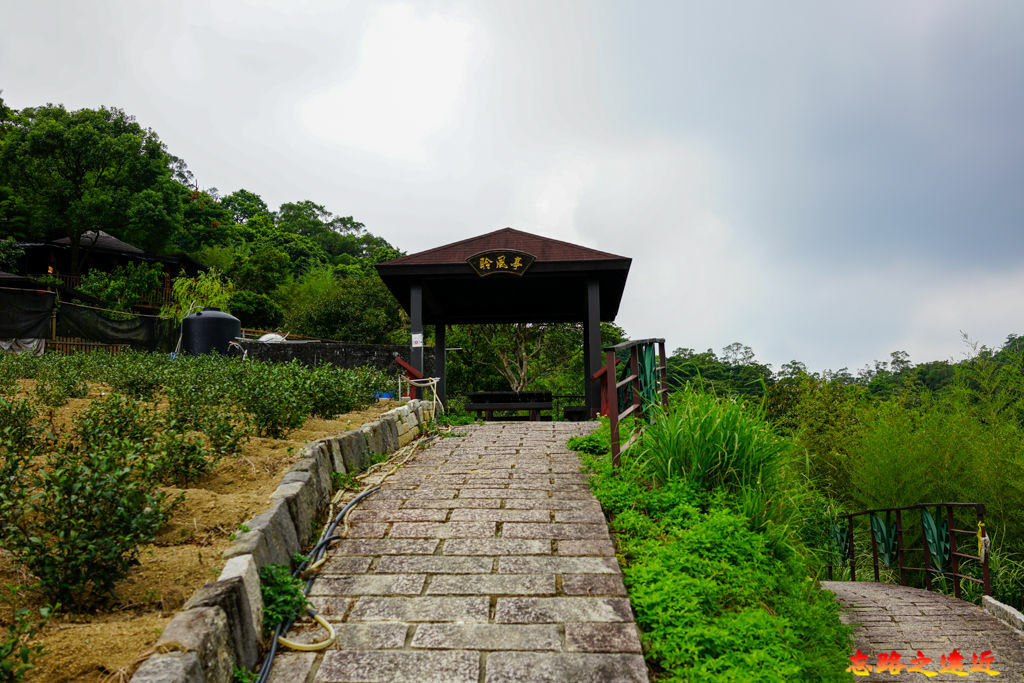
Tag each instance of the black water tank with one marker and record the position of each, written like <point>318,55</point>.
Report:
<point>209,330</point>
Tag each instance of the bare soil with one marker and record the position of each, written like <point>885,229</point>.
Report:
<point>105,646</point>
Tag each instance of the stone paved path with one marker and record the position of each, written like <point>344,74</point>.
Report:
<point>889,618</point>
<point>484,559</point>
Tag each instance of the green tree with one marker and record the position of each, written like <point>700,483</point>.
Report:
<point>206,222</point>
<point>357,308</point>
<point>10,253</point>
<point>125,286</point>
<point>87,170</point>
<point>209,289</point>
<point>244,205</point>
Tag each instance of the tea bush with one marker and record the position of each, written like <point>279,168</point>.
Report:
<point>17,653</point>
<point>272,397</point>
<point>80,529</point>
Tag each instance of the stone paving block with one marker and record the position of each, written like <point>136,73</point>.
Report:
<point>513,667</point>
<point>292,667</point>
<point>332,608</point>
<point>554,531</point>
<point>550,504</point>
<point>434,564</point>
<point>561,610</point>
<point>490,514</point>
<point>367,530</point>
<point>558,565</point>
<point>501,493</point>
<point>452,504</point>
<point>591,516</point>
<point>596,546</point>
<point>593,584</point>
<point>368,584</point>
<point>496,546</point>
<point>421,609</point>
<point>421,493</point>
<point>345,564</point>
<point>390,666</point>
<point>443,530</point>
<point>487,637</point>
<point>606,637</point>
<point>388,546</point>
<point>383,504</point>
<point>370,636</point>
<point>492,584</point>
<point>397,515</point>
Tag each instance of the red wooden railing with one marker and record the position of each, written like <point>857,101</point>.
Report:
<point>955,555</point>
<point>610,385</point>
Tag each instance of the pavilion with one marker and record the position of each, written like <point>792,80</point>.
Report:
<point>508,276</point>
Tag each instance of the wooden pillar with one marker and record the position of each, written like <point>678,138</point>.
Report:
<point>416,329</point>
<point>592,346</point>
<point>441,362</point>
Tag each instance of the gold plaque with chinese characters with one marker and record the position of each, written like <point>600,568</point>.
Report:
<point>507,261</point>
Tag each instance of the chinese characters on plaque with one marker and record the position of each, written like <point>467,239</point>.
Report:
<point>506,261</point>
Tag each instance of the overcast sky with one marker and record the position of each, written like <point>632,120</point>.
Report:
<point>822,181</point>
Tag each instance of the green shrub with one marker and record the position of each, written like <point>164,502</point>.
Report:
<point>114,417</point>
<point>180,456</point>
<point>80,530</point>
<point>17,652</point>
<point>272,397</point>
<point>590,444</point>
<point>283,598</point>
<point>59,379</point>
<point>139,375</point>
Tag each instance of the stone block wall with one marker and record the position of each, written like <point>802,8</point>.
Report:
<point>219,627</point>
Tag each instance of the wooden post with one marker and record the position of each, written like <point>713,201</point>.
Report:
<point>927,554</point>
<point>984,561</point>
<point>592,346</point>
<point>416,329</point>
<point>664,374</point>
<point>441,362</point>
<point>954,561</point>
<point>899,547</point>
<point>874,547</point>
<point>613,407</point>
<point>853,556</point>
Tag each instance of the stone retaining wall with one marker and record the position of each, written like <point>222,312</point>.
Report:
<point>220,626</point>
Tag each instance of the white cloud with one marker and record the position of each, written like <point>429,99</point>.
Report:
<point>405,86</point>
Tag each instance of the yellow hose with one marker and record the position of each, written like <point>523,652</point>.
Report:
<point>312,647</point>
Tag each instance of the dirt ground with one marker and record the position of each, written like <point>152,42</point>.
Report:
<point>104,646</point>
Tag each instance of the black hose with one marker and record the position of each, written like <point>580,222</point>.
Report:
<point>318,551</point>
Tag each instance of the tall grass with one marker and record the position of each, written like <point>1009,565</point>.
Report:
<point>711,444</point>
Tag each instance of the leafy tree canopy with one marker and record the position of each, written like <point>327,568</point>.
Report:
<point>68,173</point>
